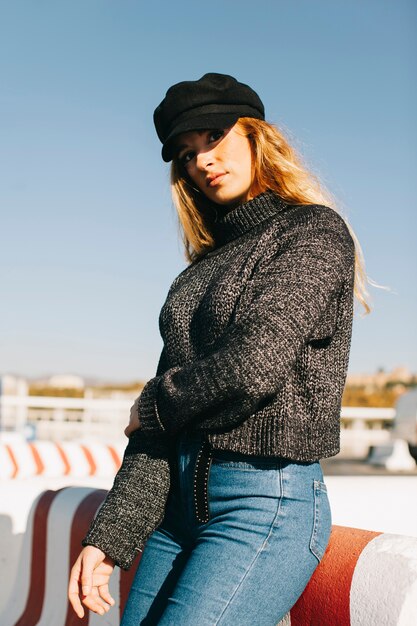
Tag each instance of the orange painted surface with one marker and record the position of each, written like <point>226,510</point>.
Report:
<point>90,460</point>
<point>64,458</point>
<point>40,466</point>
<point>114,456</point>
<point>326,599</point>
<point>13,460</point>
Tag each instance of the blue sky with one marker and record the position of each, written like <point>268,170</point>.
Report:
<point>88,237</point>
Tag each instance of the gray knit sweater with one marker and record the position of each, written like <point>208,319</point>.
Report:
<point>256,339</point>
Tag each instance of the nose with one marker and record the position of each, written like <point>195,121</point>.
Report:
<point>204,159</point>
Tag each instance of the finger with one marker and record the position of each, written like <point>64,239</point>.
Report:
<point>134,411</point>
<point>73,589</point>
<point>99,600</point>
<point>105,594</point>
<point>94,602</point>
<point>134,408</point>
<point>87,575</point>
<point>92,605</point>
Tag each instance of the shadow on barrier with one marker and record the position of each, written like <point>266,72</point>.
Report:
<point>10,548</point>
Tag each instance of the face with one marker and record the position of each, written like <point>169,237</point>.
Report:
<point>219,163</point>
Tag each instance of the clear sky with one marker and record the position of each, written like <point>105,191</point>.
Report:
<point>88,237</point>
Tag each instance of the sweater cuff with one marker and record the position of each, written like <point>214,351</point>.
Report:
<point>135,505</point>
<point>149,418</point>
<point>115,544</point>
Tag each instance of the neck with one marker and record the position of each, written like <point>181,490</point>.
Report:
<point>234,220</point>
<point>226,208</point>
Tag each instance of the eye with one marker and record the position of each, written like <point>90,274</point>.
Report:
<point>186,157</point>
<point>212,137</point>
<point>215,135</point>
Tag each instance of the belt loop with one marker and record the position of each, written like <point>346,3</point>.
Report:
<point>201,475</point>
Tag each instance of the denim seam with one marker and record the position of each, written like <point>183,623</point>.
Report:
<point>317,486</point>
<point>260,550</point>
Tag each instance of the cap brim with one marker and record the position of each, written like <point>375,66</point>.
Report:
<point>200,122</point>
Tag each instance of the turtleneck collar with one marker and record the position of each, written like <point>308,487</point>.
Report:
<point>245,216</point>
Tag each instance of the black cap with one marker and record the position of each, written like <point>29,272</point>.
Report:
<point>213,101</point>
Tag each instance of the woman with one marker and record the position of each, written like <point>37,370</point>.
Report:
<point>221,477</point>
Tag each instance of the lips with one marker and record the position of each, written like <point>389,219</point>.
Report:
<point>214,179</point>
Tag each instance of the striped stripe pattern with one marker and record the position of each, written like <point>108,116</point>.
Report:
<point>365,577</point>
<point>57,522</point>
<point>24,459</point>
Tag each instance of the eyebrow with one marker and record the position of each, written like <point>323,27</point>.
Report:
<point>185,145</point>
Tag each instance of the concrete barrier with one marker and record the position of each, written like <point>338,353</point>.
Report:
<point>23,459</point>
<point>57,522</point>
<point>365,577</point>
<point>394,456</point>
<point>16,501</point>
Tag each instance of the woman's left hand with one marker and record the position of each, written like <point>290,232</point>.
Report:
<point>92,571</point>
<point>134,422</point>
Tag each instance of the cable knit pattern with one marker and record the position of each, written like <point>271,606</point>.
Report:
<point>256,339</point>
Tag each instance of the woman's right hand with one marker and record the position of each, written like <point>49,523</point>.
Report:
<point>134,421</point>
<point>91,570</point>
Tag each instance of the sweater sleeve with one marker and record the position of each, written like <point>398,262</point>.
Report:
<point>135,505</point>
<point>288,294</point>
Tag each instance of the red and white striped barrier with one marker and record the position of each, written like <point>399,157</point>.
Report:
<point>365,578</point>
<point>58,521</point>
<point>23,459</point>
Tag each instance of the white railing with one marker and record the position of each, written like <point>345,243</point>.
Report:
<point>352,413</point>
<point>57,418</point>
<point>363,427</point>
<point>66,418</point>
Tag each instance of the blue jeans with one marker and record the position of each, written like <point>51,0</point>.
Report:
<point>269,525</point>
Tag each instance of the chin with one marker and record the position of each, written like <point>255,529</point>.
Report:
<point>226,199</point>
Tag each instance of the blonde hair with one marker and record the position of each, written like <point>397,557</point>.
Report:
<point>276,166</point>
